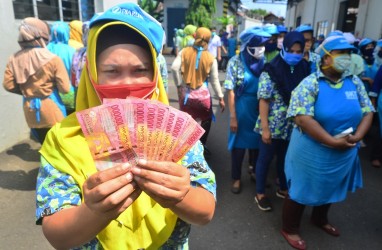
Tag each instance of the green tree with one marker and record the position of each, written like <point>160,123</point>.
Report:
<point>154,8</point>
<point>226,20</point>
<point>257,13</point>
<point>200,12</point>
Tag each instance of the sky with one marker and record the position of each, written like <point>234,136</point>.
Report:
<point>276,8</point>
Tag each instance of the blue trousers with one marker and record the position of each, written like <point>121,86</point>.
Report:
<point>279,148</point>
<point>237,157</point>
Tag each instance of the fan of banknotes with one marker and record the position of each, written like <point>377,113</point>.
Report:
<point>125,130</point>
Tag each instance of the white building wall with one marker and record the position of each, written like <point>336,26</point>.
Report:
<point>110,3</point>
<point>13,127</point>
<point>369,19</point>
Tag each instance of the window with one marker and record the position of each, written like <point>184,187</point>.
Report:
<point>70,10</point>
<point>322,28</point>
<point>23,8</point>
<point>48,10</point>
<point>53,10</point>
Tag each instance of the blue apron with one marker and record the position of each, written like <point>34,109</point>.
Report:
<point>35,104</point>
<point>247,112</point>
<point>317,174</point>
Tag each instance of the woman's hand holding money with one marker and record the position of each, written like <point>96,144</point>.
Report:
<point>111,191</point>
<point>164,181</point>
<point>168,183</point>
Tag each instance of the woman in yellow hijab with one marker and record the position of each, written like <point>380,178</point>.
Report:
<point>148,206</point>
<point>75,35</point>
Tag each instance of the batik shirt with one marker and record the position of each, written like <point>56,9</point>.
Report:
<point>56,191</point>
<point>163,70</point>
<point>304,95</point>
<point>279,126</point>
<point>314,61</point>
<point>235,73</point>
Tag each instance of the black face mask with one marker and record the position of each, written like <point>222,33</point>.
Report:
<point>368,52</point>
<point>380,53</point>
<point>269,47</point>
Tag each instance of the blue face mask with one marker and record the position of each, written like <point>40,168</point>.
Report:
<point>213,34</point>
<point>291,58</point>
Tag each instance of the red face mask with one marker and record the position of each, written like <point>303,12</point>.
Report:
<point>121,91</point>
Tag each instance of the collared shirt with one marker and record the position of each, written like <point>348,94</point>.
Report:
<point>235,73</point>
<point>213,45</point>
<point>304,95</point>
<point>279,126</point>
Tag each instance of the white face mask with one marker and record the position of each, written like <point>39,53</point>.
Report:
<point>280,42</point>
<point>256,52</point>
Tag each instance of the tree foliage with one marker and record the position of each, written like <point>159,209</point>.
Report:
<point>226,20</point>
<point>256,13</point>
<point>200,12</point>
<point>154,8</point>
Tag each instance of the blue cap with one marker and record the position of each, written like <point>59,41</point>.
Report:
<point>271,29</point>
<point>247,35</point>
<point>336,33</point>
<point>334,43</point>
<point>282,29</point>
<point>365,42</point>
<point>134,16</point>
<point>379,43</point>
<point>304,28</point>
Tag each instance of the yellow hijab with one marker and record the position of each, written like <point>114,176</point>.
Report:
<point>75,35</point>
<point>145,224</point>
<point>192,76</point>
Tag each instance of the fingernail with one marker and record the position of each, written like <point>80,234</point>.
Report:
<point>136,170</point>
<point>126,166</point>
<point>142,161</point>
<point>129,176</point>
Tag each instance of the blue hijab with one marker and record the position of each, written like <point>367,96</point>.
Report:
<point>58,44</point>
<point>253,64</point>
<point>287,77</point>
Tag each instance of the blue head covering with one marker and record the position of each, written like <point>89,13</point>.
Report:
<point>367,54</point>
<point>58,44</point>
<point>304,28</point>
<point>282,29</point>
<point>334,43</point>
<point>287,77</point>
<point>271,29</point>
<point>59,32</point>
<point>364,42</point>
<point>336,33</point>
<point>135,17</point>
<point>379,43</point>
<point>253,37</point>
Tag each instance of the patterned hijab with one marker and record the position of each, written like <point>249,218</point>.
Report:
<point>33,34</point>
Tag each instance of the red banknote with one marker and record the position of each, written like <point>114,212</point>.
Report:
<point>124,130</point>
